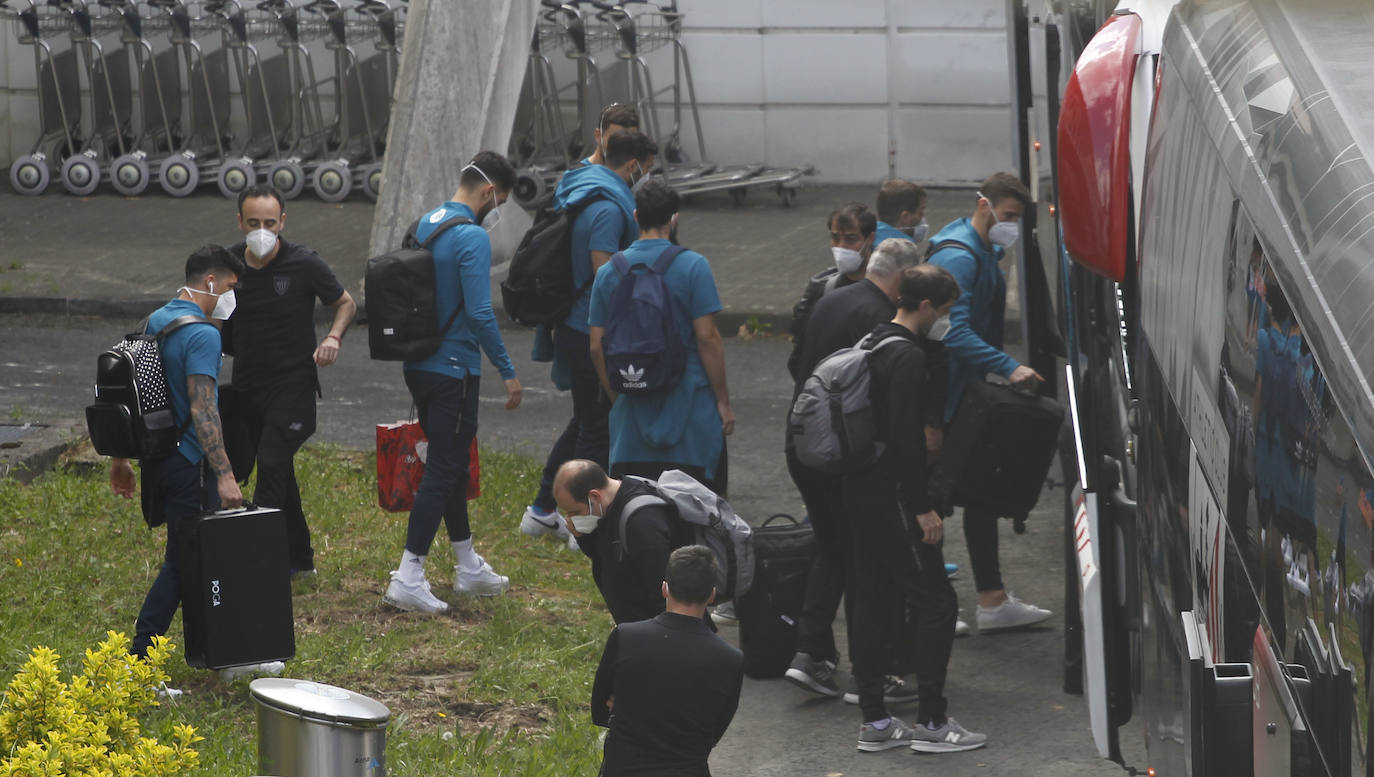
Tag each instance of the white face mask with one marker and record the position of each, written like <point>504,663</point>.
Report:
<point>586,524</point>
<point>847,260</point>
<point>918,232</point>
<point>260,242</point>
<point>1004,233</point>
<point>224,306</point>
<point>492,218</point>
<point>939,329</point>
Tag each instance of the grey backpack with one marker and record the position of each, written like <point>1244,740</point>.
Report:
<point>830,426</point>
<point>710,521</point>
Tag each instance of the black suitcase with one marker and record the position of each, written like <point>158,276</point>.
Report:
<point>236,589</point>
<point>998,450</point>
<point>768,613</point>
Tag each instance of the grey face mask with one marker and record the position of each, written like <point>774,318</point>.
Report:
<point>918,232</point>
<point>939,329</point>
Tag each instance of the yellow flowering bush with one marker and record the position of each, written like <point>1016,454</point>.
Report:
<point>89,727</point>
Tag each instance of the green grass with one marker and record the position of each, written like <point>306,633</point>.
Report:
<point>495,687</point>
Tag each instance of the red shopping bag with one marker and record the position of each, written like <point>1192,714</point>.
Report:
<point>401,449</point>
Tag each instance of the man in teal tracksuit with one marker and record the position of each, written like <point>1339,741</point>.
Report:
<point>970,248</point>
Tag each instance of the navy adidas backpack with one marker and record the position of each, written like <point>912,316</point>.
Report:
<point>643,347</point>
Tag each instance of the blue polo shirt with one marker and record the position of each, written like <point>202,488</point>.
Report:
<point>193,349</point>
<point>462,275</point>
<point>681,425</point>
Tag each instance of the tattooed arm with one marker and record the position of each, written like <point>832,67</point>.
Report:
<point>205,417</point>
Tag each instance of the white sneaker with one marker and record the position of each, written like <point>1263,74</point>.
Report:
<point>572,543</point>
<point>165,691</point>
<point>483,582</point>
<point>536,523</point>
<point>269,668</point>
<point>1011,614</point>
<point>961,628</point>
<point>413,597</point>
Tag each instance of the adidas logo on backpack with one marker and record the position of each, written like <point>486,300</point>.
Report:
<point>642,343</point>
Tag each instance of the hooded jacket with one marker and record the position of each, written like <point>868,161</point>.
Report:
<point>974,341</point>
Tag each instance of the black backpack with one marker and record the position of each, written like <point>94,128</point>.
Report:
<point>402,309</point>
<point>132,417</point>
<point>539,288</point>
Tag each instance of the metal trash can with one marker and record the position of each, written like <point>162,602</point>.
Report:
<point>310,729</point>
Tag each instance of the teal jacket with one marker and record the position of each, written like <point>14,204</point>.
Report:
<point>974,342</point>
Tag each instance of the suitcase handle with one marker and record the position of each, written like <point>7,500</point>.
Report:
<point>771,518</point>
<point>243,508</point>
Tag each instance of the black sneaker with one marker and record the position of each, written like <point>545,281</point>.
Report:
<point>894,692</point>
<point>812,675</point>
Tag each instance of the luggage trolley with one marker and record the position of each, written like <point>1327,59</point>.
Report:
<point>304,138</point>
<point>109,100</point>
<point>355,147</point>
<point>377,77</point>
<point>59,95</point>
<point>562,25</point>
<point>157,79</point>
<point>545,137</point>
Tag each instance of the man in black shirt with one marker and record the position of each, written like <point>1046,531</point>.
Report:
<point>890,507</point>
<point>272,339</point>
<point>628,570</point>
<point>841,318</point>
<point>667,688</point>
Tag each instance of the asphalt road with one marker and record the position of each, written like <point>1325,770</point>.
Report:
<point>1006,685</point>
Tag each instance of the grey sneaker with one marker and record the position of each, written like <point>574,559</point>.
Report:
<point>1011,614</point>
<point>949,738</point>
<point>895,691</point>
<point>483,582</point>
<point>812,675</point>
<point>413,597</point>
<point>725,611</point>
<point>897,734</point>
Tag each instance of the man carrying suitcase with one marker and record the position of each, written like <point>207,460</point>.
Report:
<point>196,476</point>
<point>970,248</point>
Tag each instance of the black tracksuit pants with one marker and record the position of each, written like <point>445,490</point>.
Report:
<point>279,419</point>
<point>825,583</point>
<point>888,563</point>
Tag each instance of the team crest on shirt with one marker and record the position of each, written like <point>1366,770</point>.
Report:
<point>281,283</point>
<point>437,216</point>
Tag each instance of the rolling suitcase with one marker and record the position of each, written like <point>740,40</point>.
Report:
<point>768,613</point>
<point>998,450</point>
<point>236,588</point>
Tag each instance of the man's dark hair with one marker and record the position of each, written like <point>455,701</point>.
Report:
<point>896,196</point>
<point>627,145</point>
<point>926,281</point>
<point>261,190</point>
<point>497,169</point>
<point>620,114</point>
<point>854,214</point>
<point>211,259</point>
<point>1000,186</point>
<point>655,204</point>
<point>586,475</point>
<point>691,574</point>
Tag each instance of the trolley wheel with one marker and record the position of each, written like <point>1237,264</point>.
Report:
<point>333,181</point>
<point>787,194</point>
<point>288,177</point>
<point>737,195</point>
<point>179,175</point>
<point>130,175</point>
<point>29,175</point>
<point>529,188</point>
<point>80,174</point>
<point>235,175</point>
<point>372,183</point>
